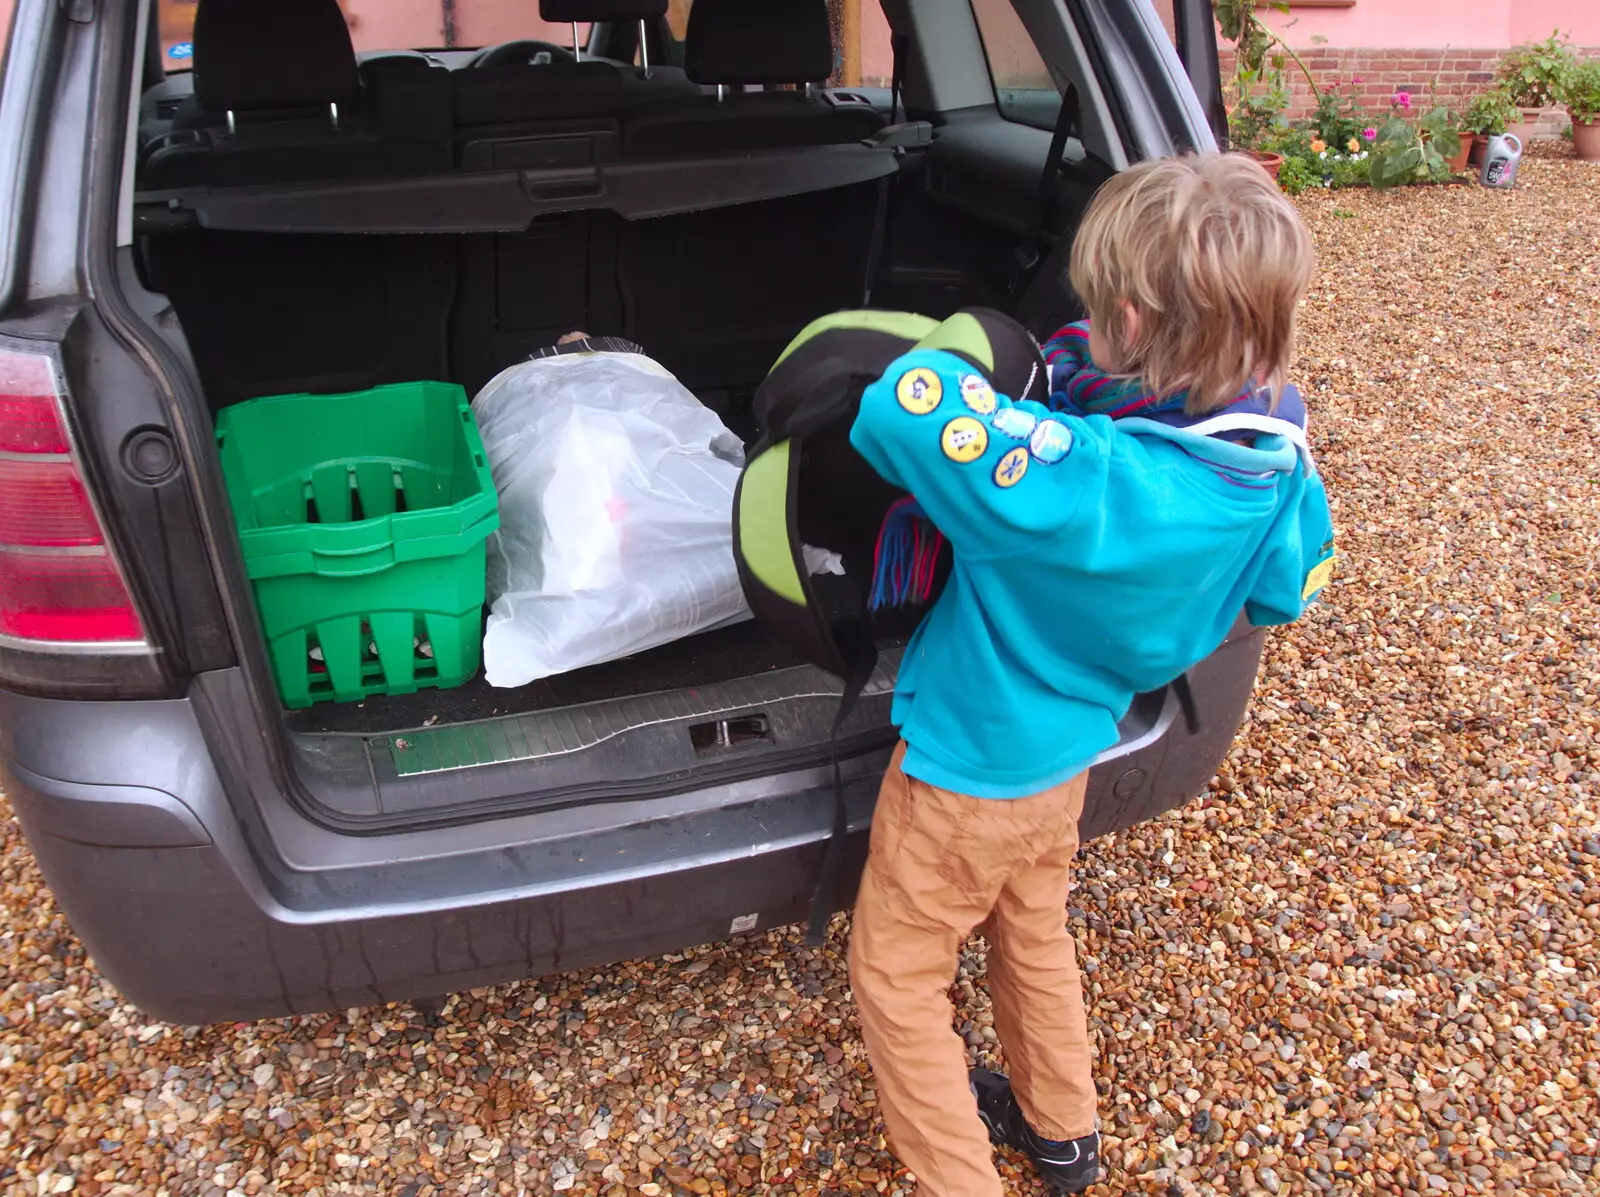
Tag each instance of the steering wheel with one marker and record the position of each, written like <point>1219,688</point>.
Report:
<point>519,53</point>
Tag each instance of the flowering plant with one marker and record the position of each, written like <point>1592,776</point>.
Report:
<point>1337,117</point>
<point>1309,162</point>
<point>1411,151</point>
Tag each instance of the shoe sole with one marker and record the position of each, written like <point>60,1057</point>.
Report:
<point>1055,1190</point>
<point>997,1139</point>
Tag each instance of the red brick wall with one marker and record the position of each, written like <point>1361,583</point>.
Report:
<point>1460,73</point>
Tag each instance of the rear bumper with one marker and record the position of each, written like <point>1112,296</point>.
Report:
<point>200,909</point>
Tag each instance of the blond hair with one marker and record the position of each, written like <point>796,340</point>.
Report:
<point>1213,259</point>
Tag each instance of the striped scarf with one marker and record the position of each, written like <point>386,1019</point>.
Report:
<point>1080,388</point>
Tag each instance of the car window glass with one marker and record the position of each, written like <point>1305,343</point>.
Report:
<point>385,25</point>
<point>1023,89</point>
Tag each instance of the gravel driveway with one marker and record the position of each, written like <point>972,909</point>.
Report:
<point>1364,962</point>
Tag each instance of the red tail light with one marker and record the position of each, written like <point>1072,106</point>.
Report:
<point>30,421</point>
<point>59,582</point>
<point>43,502</point>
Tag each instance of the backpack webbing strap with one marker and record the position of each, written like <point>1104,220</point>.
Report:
<point>826,894</point>
<point>1185,696</point>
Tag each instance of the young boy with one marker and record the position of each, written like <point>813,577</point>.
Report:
<point>1094,557</point>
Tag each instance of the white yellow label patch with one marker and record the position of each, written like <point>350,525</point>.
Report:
<point>1319,577</point>
<point>977,394</point>
<point>919,391</point>
<point>1008,471</point>
<point>1051,441</point>
<point>964,439</point>
<point>1015,423</point>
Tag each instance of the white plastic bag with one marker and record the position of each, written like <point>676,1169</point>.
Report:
<point>616,498</point>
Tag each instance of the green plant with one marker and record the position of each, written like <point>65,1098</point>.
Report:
<point>1349,172</point>
<point>1489,113</point>
<point>1259,107</point>
<point>1533,74</point>
<point>1412,152</point>
<point>1259,56</point>
<point>1296,174</point>
<point>1452,116</point>
<point>1580,90</point>
<point>1309,161</point>
<point>1251,38</point>
<point>1290,141</point>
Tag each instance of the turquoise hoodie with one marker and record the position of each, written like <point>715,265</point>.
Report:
<point>1092,561</point>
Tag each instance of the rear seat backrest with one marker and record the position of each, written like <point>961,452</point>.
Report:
<point>715,295</point>
<point>520,291</point>
<point>278,99</point>
<point>407,98</point>
<point>527,102</point>
<point>535,115</point>
<point>640,86</point>
<point>738,43</point>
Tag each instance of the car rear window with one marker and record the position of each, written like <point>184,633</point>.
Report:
<point>862,55</point>
<point>1023,89</point>
<point>385,25</point>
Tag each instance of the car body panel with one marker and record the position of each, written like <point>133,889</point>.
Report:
<point>170,825</point>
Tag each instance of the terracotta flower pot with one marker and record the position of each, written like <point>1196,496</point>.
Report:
<point>1459,162</point>
<point>1269,162</point>
<point>1480,143</point>
<point>1586,139</point>
<point>1525,127</point>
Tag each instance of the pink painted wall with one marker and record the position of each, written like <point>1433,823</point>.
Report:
<point>1534,19</point>
<point>877,59</point>
<point>486,22</point>
<point>1466,24</point>
<point>391,24</point>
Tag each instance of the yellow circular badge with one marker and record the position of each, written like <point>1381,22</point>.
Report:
<point>977,394</point>
<point>919,391</point>
<point>964,439</point>
<point>1008,471</point>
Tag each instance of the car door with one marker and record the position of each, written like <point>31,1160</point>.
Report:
<point>1196,33</point>
<point>991,74</point>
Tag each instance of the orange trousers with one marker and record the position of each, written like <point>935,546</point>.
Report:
<point>941,865</point>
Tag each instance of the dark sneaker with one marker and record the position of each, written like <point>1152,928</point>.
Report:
<point>1067,1165</point>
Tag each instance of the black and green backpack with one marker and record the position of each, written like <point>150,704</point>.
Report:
<point>804,484</point>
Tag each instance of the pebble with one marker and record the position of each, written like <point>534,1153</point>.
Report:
<point>1387,892</point>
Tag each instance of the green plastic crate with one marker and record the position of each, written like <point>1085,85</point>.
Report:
<point>363,519</point>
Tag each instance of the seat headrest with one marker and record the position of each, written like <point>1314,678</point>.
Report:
<point>758,41</point>
<point>255,54</point>
<point>566,11</point>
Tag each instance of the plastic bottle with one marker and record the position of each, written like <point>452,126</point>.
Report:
<point>1501,157</point>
